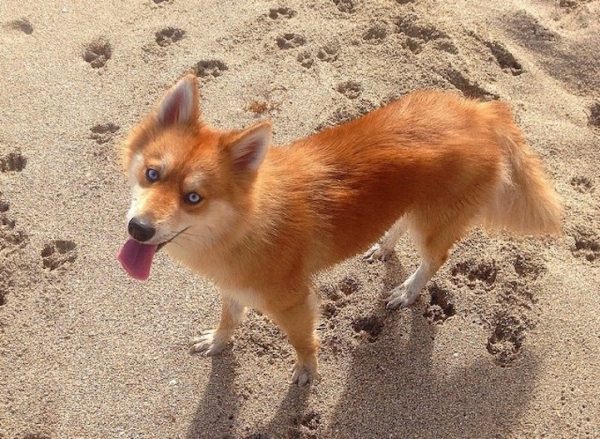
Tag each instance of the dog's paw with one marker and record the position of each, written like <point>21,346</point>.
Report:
<point>210,342</point>
<point>377,253</point>
<point>303,374</point>
<point>402,296</point>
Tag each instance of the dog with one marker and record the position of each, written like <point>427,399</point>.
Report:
<point>261,221</point>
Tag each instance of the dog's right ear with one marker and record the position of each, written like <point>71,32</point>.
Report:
<point>181,103</point>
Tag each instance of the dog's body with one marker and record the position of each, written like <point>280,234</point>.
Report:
<point>270,218</point>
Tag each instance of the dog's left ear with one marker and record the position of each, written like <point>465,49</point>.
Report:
<point>248,150</point>
<point>181,103</point>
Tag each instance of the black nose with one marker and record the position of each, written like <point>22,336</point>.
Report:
<point>140,230</point>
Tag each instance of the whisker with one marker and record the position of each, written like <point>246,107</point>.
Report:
<point>176,243</point>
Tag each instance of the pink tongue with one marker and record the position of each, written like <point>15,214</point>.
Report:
<point>136,258</point>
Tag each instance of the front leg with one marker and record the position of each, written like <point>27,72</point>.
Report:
<point>213,341</point>
<point>299,323</point>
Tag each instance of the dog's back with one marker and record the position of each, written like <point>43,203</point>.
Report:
<point>433,157</point>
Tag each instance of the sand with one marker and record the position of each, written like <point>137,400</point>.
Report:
<point>504,343</point>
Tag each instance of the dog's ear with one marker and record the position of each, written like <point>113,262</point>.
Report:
<point>247,151</point>
<point>181,103</point>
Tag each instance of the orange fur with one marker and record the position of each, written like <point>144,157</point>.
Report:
<point>440,162</point>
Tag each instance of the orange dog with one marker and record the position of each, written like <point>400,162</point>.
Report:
<point>260,221</point>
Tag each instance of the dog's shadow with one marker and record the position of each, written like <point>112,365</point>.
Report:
<point>216,415</point>
<point>220,401</point>
<point>405,393</point>
<point>398,388</point>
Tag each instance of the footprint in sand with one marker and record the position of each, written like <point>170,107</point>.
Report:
<point>349,285</point>
<point>350,89</point>
<point>475,274</point>
<point>329,309</point>
<point>168,36</point>
<point>210,68</point>
<point>467,87</point>
<point>103,133</point>
<point>445,45</point>
<point>517,290</point>
<point>337,295</point>
<point>529,31</point>
<point>57,253</point>
<point>504,58</point>
<point>506,341</point>
<point>12,239</point>
<point>440,306</point>
<point>371,326</point>
<point>97,53</point>
<point>290,41</point>
<point>594,115</point>
<point>22,24</point>
<point>414,45</point>
<point>582,184</point>
<point>281,12</point>
<point>346,6</point>
<point>310,421</point>
<point>587,244</point>
<point>13,162</point>
<point>419,33</point>
<point>527,266</point>
<point>329,52</point>
<point>412,26</point>
<point>305,59</point>
<point>331,292</point>
<point>376,33</point>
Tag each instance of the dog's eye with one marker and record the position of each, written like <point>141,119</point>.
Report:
<point>152,175</point>
<point>192,198</point>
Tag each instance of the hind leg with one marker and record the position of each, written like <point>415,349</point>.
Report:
<point>406,294</point>
<point>382,250</point>
<point>434,243</point>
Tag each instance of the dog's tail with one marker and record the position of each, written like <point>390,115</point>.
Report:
<point>525,201</point>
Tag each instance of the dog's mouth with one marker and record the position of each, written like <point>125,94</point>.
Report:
<point>162,244</point>
<point>136,257</point>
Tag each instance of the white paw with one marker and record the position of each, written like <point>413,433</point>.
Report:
<point>303,374</point>
<point>402,296</point>
<point>377,253</point>
<point>210,342</point>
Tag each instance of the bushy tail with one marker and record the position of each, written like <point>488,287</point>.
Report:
<point>525,203</point>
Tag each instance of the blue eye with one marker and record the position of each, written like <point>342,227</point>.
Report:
<point>152,175</point>
<point>193,198</point>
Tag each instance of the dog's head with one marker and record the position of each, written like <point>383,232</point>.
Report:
<point>190,183</point>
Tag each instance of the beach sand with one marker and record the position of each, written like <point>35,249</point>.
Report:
<point>504,343</point>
